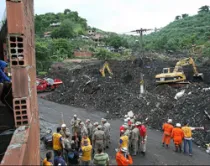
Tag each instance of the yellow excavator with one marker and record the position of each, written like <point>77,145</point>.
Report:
<point>177,75</point>
<point>105,67</point>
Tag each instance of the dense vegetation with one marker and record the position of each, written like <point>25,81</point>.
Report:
<point>182,33</point>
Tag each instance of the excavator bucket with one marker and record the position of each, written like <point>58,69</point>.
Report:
<point>198,77</point>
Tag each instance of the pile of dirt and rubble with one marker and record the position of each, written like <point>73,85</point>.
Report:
<point>84,87</point>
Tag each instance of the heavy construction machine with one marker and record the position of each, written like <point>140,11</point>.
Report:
<point>105,67</point>
<point>177,75</point>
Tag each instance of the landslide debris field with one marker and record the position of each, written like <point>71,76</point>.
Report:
<point>84,87</point>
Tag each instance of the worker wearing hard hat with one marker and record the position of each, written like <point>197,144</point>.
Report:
<point>107,129</point>
<point>124,140</point>
<point>167,129</point>
<point>134,138</point>
<point>75,124</point>
<point>143,137</point>
<point>123,158</point>
<point>177,135</point>
<point>98,138</point>
<point>89,127</point>
<point>64,130</point>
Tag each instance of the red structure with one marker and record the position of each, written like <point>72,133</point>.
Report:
<point>19,27</point>
<point>84,54</point>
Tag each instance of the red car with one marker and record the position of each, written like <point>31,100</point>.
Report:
<point>47,84</point>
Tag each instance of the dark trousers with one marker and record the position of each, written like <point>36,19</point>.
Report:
<point>189,142</point>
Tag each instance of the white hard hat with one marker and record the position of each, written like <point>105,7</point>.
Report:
<point>82,123</point>
<point>136,123</point>
<point>125,120</point>
<point>103,120</point>
<point>99,127</point>
<point>95,124</point>
<point>124,150</point>
<point>63,125</point>
<point>169,120</point>
<point>75,115</point>
<point>88,120</point>
<point>178,125</point>
<point>128,118</point>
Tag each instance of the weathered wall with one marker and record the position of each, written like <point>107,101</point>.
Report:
<point>24,146</point>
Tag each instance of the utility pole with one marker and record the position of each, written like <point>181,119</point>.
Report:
<point>141,31</point>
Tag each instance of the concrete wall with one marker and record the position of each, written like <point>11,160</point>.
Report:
<point>24,146</point>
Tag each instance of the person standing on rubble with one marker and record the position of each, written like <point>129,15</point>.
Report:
<point>177,135</point>
<point>123,158</point>
<point>188,136</point>
<point>134,139</point>
<point>57,141</point>
<point>99,139</point>
<point>3,78</point>
<point>167,130</point>
<point>107,132</point>
<point>143,137</point>
<point>75,124</point>
<point>89,127</point>
<point>64,130</point>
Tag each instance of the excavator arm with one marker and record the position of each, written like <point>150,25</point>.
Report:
<point>105,66</point>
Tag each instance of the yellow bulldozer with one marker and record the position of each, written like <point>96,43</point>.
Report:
<point>176,75</point>
<point>105,67</point>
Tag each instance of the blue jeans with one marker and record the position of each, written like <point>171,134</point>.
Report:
<point>189,142</point>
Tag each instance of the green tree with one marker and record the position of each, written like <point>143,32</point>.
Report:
<point>185,15</point>
<point>203,9</point>
<point>66,30</point>
<point>177,17</point>
<point>67,11</point>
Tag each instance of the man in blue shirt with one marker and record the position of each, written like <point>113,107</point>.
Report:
<point>3,78</point>
<point>58,160</point>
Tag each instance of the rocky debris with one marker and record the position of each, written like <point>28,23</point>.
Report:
<point>84,87</point>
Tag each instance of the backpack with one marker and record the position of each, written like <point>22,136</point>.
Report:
<point>70,155</point>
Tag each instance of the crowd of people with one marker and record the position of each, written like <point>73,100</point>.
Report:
<point>88,143</point>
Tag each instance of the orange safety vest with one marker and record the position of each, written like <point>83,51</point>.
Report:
<point>121,160</point>
<point>177,134</point>
<point>56,141</point>
<point>167,129</point>
<point>124,144</point>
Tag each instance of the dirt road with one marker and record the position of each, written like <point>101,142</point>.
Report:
<point>50,114</point>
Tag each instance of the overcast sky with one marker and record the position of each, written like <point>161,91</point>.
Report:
<point>121,15</point>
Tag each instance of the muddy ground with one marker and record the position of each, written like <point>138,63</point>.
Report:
<point>84,87</point>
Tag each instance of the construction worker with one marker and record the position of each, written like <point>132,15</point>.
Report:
<point>107,132</point>
<point>167,129</point>
<point>123,158</point>
<point>98,139</point>
<point>64,130</point>
<point>67,145</point>
<point>59,160</point>
<point>101,158</point>
<point>48,160</point>
<point>75,124</point>
<point>122,128</point>
<point>57,141</point>
<point>83,129</point>
<point>89,127</point>
<point>177,135</point>
<point>135,135</point>
<point>124,140</point>
<point>143,137</point>
<point>3,78</point>
<point>86,153</point>
<point>188,136</point>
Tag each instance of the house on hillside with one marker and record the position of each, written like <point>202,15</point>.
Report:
<point>47,34</point>
<point>55,24</point>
